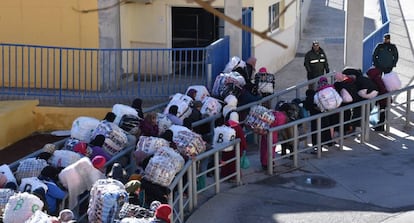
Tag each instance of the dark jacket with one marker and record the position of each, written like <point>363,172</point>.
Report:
<point>316,63</point>
<point>385,56</point>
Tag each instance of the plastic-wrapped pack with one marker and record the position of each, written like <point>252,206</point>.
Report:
<point>106,199</point>
<point>147,146</point>
<point>174,157</point>
<point>82,128</point>
<point>115,138</point>
<point>224,134</point>
<point>260,118</point>
<point>211,106</point>
<point>160,170</point>
<point>183,102</point>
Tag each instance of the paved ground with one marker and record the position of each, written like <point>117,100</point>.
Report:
<point>369,182</point>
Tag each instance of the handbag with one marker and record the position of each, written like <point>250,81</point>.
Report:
<point>244,161</point>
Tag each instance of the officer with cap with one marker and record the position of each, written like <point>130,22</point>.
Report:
<point>316,62</point>
<point>385,56</point>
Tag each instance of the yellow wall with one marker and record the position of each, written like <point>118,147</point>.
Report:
<point>19,119</point>
<point>49,22</point>
<point>16,121</point>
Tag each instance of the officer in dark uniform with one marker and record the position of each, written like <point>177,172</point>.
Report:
<point>316,63</point>
<point>385,56</point>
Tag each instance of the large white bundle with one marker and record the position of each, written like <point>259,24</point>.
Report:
<point>120,110</point>
<point>202,92</point>
<point>21,207</point>
<point>147,146</point>
<point>115,137</point>
<point>183,103</point>
<point>160,170</point>
<point>106,199</point>
<point>224,134</point>
<point>327,99</point>
<point>174,157</point>
<point>63,158</point>
<point>79,177</point>
<point>82,128</point>
<point>211,106</point>
<point>391,81</point>
<point>163,123</point>
<point>188,142</point>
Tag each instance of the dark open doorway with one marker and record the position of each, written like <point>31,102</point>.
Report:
<point>194,27</point>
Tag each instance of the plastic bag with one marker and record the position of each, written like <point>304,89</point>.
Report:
<point>244,161</point>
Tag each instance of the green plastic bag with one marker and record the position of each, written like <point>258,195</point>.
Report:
<point>244,161</point>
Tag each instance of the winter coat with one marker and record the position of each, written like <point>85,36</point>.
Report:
<point>316,63</point>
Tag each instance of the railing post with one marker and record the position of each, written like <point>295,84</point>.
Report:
<point>194,183</point>
<point>217,171</point>
<point>365,113</point>
<point>60,76</point>
<point>238,170</point>
<point>408,110</point>
<point>295,145</point>
<point>270,152</point>
<point>319,136</point>
<point>341,130</point>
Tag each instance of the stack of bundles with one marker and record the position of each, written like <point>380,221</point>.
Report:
<point>147,146</point>
<point>228,83</point>
<point>106,199</point>
<point>163,166</point>
<point>115,138</point>
<point>211,106</point>
<point>259,119</point>
<point>201,92</point>
<point>188,142</point>
<point>126,118</point>
<point>82,128</point>
<point>224,134</point>
<point>184,104</point>
<point>163,123</point>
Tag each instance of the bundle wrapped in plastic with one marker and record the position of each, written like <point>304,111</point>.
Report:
<point>188,142</point>
<point>174,157</point>
<point>147,146</point>
<point>259,119</point>
<point>160,170</point>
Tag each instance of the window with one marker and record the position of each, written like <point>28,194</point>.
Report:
<point>274,21</point>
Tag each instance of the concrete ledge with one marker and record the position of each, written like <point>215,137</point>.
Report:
<point>16,121</point>
<point>19,119</point>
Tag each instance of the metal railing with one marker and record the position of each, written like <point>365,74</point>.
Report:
<point>103,77</point>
